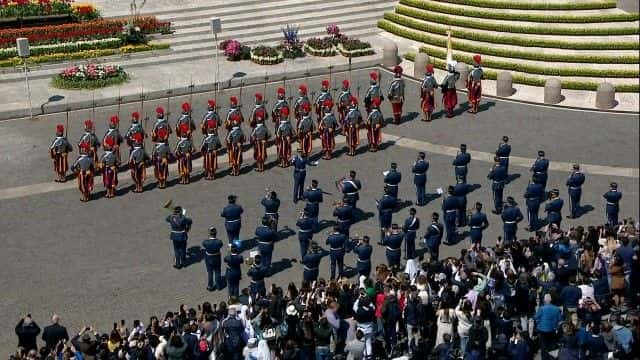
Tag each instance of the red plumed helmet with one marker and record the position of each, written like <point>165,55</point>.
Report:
<point>345,83</point>
<point>280,91</point>
<point>328,104</point>
<point>373,75</point>
<point>284,111</point>
<point>429,68</point>
<point>88,124</point>
<point>325,83</point>
<point>353,100</point>
<point>138,137</point>
<point>303,88</point>
<point>60,128</point>
<point>233,100</point>
<point>305,106</point>
<point>397,69</point>
<point>235,117</point>
<point>258,96</point>
<point>477,58</point>
<point>135,115</point>
<point>212,103</point>
<point>162,133</point>
<point>186,107</point>
<point>184,128</point>
<point>114,120</point>
<point>109,141</point>
<point>160,110</point>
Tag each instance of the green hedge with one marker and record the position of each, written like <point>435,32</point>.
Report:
<point>509,40</point>
<point>523,5</point>
<point>535,81</point>
<point>542,18</point>
<point>510,28</point>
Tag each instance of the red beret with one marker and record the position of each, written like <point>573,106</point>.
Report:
<point>328,104</point>
<point>373,75</point>
<point>160,110</point>
<point>258,96</point>
<point>212,103</point>
<point>284,111</point>
<point>477,58</point>
<point>281,90</point>
<point>429,68</point>
<point>186,106</point>
<point>345,83</point>
<point>303,88</point>
<point>88,124</point>
<point>397,69</point>
<point>325,83</point>
<point>233,100</point>
<point>60,128</point>
<point>114,119</point>
<point>135,115</point>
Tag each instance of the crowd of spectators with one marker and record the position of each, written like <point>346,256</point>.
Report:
<point>559,294</point>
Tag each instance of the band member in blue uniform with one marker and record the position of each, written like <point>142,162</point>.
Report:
<point>553,208</point>
<point>461,190</point>
<point>344,216</point>
<point>612,209</point>
<point>305,232</point>
<point>450,206</point>
<point>257,273</point>
<point>271,205</point>
<point>503,151</point>
<point>232,218</point>
<point>363,250</point>
<point>461,163</point>
<point>299,163</point>
<point>392,179</point>
<point>213,260</point>
<point>477,223</point>
<point>385,205</point>
<point>393,244</point>
<point>350,187</point>
<point>433,236</point>
<point>313,196</point>
<point>180,226</point>
<point>539,169</point>
<point>419,170</point>
<point>498,177</point>
<point>410,229</point>
<point>574,188</point>
<point>534,195</point>
<point>312,263</point>
<point>233,274</point>
<point>266,237</point>
<point>337,243</point>
<point>511,216</point>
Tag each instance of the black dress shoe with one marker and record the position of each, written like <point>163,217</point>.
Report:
<point>496,212</point>
<point>210,288</point>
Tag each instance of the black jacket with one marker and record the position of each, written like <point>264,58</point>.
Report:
<point>27,335</point>
<point>52,334</point>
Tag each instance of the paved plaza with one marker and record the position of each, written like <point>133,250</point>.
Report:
<point>108,259</point>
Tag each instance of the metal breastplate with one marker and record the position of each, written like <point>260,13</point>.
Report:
<point>109,159</point>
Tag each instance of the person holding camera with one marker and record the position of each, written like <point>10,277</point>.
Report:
<point>257,273</point>
<point>363,250</point>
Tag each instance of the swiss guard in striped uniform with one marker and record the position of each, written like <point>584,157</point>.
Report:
<point>114,132</point>
<point>428,93</point>
<point>235,139</point>
<point>184,153</point>
<point>109,164</point>
<point>474,84</point>
<point>352,126</point>
<point>135,128</point>
<point>323,96</point>
<point>305,130</point>
<point>259,113</point>
<point>259,137</point>
<point>301,101</point>
<point>375,122</point>
<point>327,129</point>
<point>209,150</point>
<point>373,91</point>
<point>284,135</point>
<point>59,152</point>
<point>344,100</point>
<point>161,123</point>
<point>137,160</point>
<point>160,157</point>
<point>211,119</point>
<point>396,94</point>
<point>449,94</point>
<point>90,138</point>
<point>185,118</point>
<point>281,102</point>
<point>234,115</point>
<point>83,167</point>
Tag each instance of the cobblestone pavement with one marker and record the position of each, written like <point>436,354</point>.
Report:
<point>111,258</point>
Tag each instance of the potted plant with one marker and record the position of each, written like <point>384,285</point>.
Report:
<point>355,48</point>
<point>266,55</point>
<point>235,51</point>
<point>291,46</point>
<point>320,47</point>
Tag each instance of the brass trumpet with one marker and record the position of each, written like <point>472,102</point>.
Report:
<point>169,206</point>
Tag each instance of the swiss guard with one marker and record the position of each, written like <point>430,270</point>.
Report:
<point>234,115</point>
<point>281,102</point>
<point>209,150</point>
<point>323,96</point>
<point>235,139</point>
<point>259,137</point>
<point>59,152</point>
<point>90,138</point>
<point>373,92</point>
<point>396,94</point>
<point>305,130</point>
<point>184,153</point>
<point>185,118</point>
<point>161,123</point>
<point>210,118</point>
<point>344,100</point>
<point>474,84</point>
<point>327,130</point>
<point>109,164</point>
<point>114,132</point>
<point>135,128</point>
<point>428,93</point>
<point>259,112</point>
<point>83,167</point>
<point>137,160</point>
<point>160,157</point>
<point>284,135</point>
<point>302,100</point>
<point>352,126</point>
<point>375,122</point>
<point>449,94</point>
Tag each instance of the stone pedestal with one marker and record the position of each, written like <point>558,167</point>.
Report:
<point>419,65</point>
<point>606,96</point>
<point>463,69</point>
<point>504,84</point>
<point>390,54</point>
<point>632,6</point>
<point>553,91</point>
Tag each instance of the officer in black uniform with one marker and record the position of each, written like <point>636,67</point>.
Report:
<point>344,216</point>
<point>393,244</point>
<point>180,226</point>
<point>612,209</point>
<point>350,187</point>
<point>477,223</point>
<point>534,195</point>
<point>460,164</point>
<point>257,274</point>
<point>312,263</point>
<point>266,237</point>
<point>539,169</point>
<point>337,242</point>
<point>410,228</point>
<point>232,218</point>
<point>511,216</point>
<point>433,236</point>
<point>300,163</point>
<point>553,208</point>
<point>574,185</point>
<point>233,273</point>
<point>305,226</point>
<point>313,196</point>
<point>419,170</point>
<point>363,250</point>
<point>503,151</point>
<point>212,260</point>
<point>386,205</point>
<point>461,190</point>
<point>498,177</point>
<point>450,206</point>
<point>271,204</point>
<point>392,180</point>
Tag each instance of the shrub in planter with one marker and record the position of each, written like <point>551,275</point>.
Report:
<point>291,46</point>
<point>266,55</point>
<point>355,48</point>
<point>235,51</point>
<point>320,47</point>
<point>90,76</point>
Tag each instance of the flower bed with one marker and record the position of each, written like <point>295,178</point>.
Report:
<point>355,48</point>
<point>70,47</point>
<point>266,55</point>
<point>18,12</point>
<point>90,76</point>
<point>320,47</point>
<point>235,51</point>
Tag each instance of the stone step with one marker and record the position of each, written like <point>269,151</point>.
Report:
<point>157,8</point>
<point>538,12</point>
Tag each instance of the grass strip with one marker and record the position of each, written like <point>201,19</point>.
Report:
<point>523,5</point>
